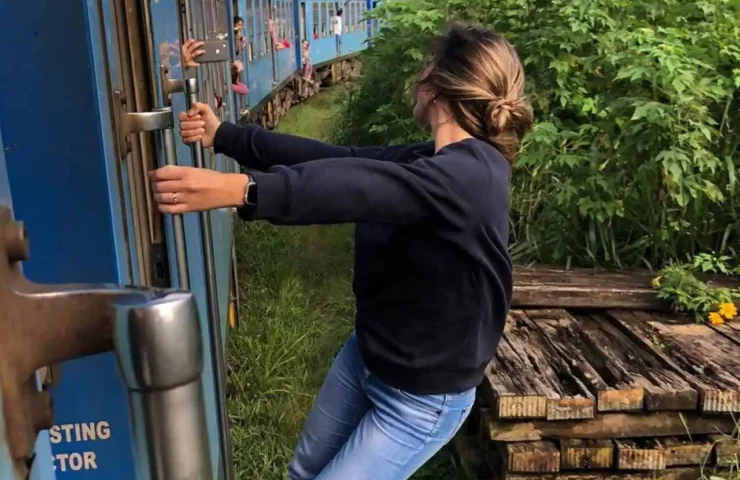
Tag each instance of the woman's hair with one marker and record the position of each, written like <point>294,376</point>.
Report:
<point>478,73</point>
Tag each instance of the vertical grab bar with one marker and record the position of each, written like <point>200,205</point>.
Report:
<point>216,342</point>
<point>170,155</point>
<point>159,350</point>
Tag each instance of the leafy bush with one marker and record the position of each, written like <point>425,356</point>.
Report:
<point>634,159</point>
<point>679,285</point>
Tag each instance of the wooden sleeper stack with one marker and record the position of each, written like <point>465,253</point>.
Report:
<point>609,394</point>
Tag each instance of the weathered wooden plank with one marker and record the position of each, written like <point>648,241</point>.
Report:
<point>727,450</point>
<point>602,374</point>
<point>542,286</point>
<point>680,452</point>
<point>642,454</point>
<point>530,457</point>
<point>607,426</point>
<point>547,275</point>
<point>665,389</point>
<point>621,375</point>
<point>511,397</point>
<point>668,474</point>
<point>582,288</point>
<point>708,361</point>
<point>730,331</point>
<point>528,379</point>
<point>579,454</point>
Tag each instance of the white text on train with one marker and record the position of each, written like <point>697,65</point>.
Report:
<point>78,432</point>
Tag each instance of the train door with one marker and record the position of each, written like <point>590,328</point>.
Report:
<point>209,235</point>
<point>78,155</point>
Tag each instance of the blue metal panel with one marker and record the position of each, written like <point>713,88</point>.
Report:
<point>6,469</point>
<point>353,42</point>
<point>323,49</point>
<point>286,64</point>
<point>260,79</point>
<point>58,173</point>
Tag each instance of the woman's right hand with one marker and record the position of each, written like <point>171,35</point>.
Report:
<point>199,124</point>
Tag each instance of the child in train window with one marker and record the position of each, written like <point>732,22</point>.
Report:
<point>240,41</point>
<point>237,86</point>
<point>306,59</point>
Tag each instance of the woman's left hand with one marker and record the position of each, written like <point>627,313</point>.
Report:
<point>188,189</point>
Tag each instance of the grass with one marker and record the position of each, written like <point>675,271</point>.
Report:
<point>296,311</point>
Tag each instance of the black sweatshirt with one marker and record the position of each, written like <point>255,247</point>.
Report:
<point>432,276</point>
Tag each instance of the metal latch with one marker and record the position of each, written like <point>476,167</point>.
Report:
<point>44,325</point>
<point>137,122</point>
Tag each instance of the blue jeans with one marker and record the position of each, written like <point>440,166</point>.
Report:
<point>361,428</point>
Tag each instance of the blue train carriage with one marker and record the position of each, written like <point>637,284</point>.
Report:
<point>73,168</point>
<point>272,51</point>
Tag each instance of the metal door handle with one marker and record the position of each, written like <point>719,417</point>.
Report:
<point>159,120</point>
<point>160,357</point>
<point>43,325</point>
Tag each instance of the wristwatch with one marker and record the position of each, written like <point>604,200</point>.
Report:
<point>250,198</point>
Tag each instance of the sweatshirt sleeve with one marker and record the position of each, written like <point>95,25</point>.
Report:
<point>330,191</point>
<point>259,149</point>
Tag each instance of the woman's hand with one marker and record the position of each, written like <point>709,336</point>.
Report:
<point>189,189</point>
<point>190,50</point>
<point>199,124</point>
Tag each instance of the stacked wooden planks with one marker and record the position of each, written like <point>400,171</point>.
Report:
<point>593,392</point>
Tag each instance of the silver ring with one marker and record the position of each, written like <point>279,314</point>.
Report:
<point>174,198</point>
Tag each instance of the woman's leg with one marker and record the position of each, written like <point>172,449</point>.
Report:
<point>338,409</point>
<point>399,434</point>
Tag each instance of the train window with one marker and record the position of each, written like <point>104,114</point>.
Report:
<point>249,30</point>
<point>288,21</point>
<point>277,17</point>
<point>258,27</point>
<point>324,20</point>
<point>315,19</point>
<point>265,27</point>
<point>284,20</point>
<point>347,24</point>
<point>349,16</point>
<point>348,21</point>
<point>291,23</point>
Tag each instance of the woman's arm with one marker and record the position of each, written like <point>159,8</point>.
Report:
<point>440,190</point>
<point>260,149</point>
<point>330,191</point>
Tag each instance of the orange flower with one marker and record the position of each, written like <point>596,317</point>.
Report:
<point>727,310</point>
<point>716,319</point>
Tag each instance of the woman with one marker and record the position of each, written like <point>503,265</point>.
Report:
<point>432,275</point>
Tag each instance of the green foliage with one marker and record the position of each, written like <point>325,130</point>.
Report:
<point>679,285</point>
<point>634,158</point>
